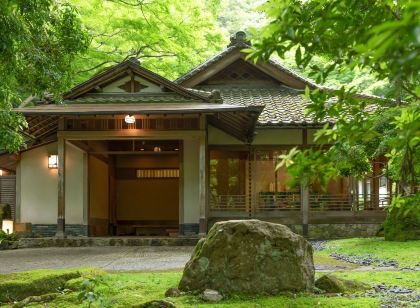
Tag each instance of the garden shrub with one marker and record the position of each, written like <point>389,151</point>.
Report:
<point>403,220</point>
<point>5,212</point>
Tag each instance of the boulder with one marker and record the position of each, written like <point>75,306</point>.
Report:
<point>332,284</point>
<point>172,292</point>
<point>212,296</point>
<point>250,256</point>
<point>155,304</point>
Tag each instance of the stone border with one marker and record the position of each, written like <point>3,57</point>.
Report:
<point>99,242</point>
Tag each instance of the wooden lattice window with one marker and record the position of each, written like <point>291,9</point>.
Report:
<point>168,173</point>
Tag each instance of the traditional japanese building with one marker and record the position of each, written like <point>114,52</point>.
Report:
<point>129,152</point>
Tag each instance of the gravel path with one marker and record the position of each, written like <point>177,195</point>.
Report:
<point>108,258</point>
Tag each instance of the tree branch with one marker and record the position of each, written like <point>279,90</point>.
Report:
<point>96,66</point>
<point>130,3</point>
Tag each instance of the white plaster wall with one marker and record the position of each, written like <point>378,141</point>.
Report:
<point>191,181</point>
<point>274,136</point>
<point>74,185</point>
<point>38,186</point>
<point>219,137</point>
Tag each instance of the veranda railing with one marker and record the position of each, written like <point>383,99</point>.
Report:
<point>292,201</point>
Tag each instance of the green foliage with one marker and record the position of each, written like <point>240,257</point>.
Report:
<point>236,15</point>
<point>403,220</point>
<point>304,167</point>
<point>380,38</point>
<point>7,237</point>
<point>168,37</point>
<point>90,291</point>
<point>38,45</point>
<point>405,147</point>
<point>5,211</point>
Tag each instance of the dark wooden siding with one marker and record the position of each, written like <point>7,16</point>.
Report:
<point>8,192</point>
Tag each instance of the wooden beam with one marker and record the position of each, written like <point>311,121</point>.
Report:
<point>129,134</point>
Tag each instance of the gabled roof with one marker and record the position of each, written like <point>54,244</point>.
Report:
<point>231,54</point>
<point>129,67</point>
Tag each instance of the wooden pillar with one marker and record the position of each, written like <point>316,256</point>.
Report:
<point>251,197</point>
<point>304,199</point>
<point>112,196</point>
<point>61,187</point>
<point>356,194</point>
<point>365,205</point>
<point>181,187</point>
<point>375,184</point>
<point>202,178</point>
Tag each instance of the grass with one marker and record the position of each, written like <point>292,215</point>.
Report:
<point>400,278</point>
<point>133,288</point>
<point>129,289</point>
<point>405,253</point>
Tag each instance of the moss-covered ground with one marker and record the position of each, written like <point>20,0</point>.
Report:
<point>405,253</point>
<point>133,288</point>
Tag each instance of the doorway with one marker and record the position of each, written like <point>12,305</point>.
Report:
<point>136,192</point>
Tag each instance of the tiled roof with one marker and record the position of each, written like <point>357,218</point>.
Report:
<point>209,62</point>
<point>169,97</point>
<point>283,106</point>
<point>203,66</point>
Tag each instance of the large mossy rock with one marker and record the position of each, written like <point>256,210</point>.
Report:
<point>332,284</point>
<point>250,256</point>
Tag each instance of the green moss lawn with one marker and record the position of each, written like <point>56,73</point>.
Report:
<point>405,253</point>
<point>133,288</point>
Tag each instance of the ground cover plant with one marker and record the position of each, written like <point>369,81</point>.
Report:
<point>95,288</point>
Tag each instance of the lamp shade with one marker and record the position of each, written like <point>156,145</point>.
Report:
<point>8,226</point>
<point>129,119</point>
<point>53,161</point>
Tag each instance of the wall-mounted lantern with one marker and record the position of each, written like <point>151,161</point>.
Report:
<point>8,226</point>
<point>129,119</point>
<point>52,161</point>
<point>1,172</point>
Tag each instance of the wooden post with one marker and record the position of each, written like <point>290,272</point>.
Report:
<point>112,196</point>
<point>61,187</point>
<point>356,194</point>
<point>304,199</point>
<point>202,179</point>
<point>181,187</point>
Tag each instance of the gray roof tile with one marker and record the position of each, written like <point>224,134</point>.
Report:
<point>283,105</point>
